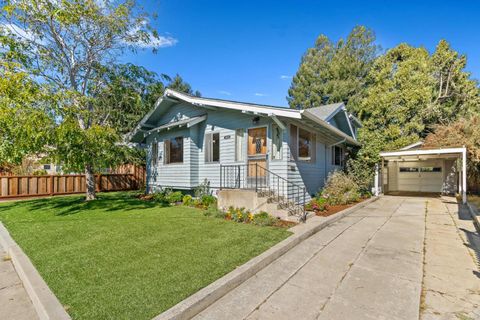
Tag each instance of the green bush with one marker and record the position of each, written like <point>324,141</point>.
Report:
<point>263,219</point>
<point>187,200</point>
<point>174,197</point>
<point>203,189</point>
<point>160,198</point>
<point>316,204</point>
<point>213,211</point>
<point>239,215</point>
<point>340,189</point>
<point>208,200</point>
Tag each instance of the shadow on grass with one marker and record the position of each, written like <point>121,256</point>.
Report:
<point>70,205</point>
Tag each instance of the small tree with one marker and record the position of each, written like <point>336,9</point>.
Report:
<point>68,44</point>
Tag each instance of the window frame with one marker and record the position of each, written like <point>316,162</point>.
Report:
<point>211,147</point>
<point>274,127</point>
<point>240,156</point>
<point>333,151</point>
<point>310,149</point>
<point>154,154</point>
<point>168,152</point>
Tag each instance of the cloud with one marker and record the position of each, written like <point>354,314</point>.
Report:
<point>227,93</point>
<point>258,94</point>
<point>18,31</point>
<point>160,42</point>
<point>285,77</point>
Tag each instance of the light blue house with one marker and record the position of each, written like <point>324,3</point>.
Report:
<point>283,152</point>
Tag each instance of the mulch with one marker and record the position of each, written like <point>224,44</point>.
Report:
<point>334,209</point>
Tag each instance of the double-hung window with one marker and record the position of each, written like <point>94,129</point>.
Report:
<point>174,150</point>
<point>338,156</point>
<point>212,147</point>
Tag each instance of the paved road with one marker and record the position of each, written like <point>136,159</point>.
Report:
<point>368,265</point>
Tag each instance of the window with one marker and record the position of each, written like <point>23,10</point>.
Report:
<point>431,169</point>
<point>408,169</point>
<point>239,142</point>
<point>154,159</point>
<point>212,147</point>
<point>304,144</point>
<point>276,142</point>
<point>174,150</point>
<point>46,167</point>
<point>338,156</point>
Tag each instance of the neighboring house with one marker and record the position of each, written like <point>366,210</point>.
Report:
<point>242,145</point>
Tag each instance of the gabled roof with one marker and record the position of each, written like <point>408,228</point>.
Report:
<point>171,97</point>
<point>327,111</point>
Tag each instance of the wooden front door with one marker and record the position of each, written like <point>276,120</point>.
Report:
<point>257,151</point>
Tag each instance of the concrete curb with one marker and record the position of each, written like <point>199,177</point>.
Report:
<point>44,301</point>
<point>474,215</point>
<point>200,300</point>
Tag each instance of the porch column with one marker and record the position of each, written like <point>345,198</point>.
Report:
<point>464,175</point>
<point>376,180</point>
<point>382,185</point>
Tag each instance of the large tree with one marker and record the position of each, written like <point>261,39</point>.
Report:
<point>65,43</point>
<point>334,72</point>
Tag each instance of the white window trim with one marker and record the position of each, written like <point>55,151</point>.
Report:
<point>243,146</point>
<point>304,159</point>
<point>219,148</point>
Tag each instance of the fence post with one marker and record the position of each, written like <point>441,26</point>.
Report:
<point>52,185</point>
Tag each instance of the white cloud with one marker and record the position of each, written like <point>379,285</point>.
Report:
<point>227,93</point>
<point>258,94</point>
<point>160,42</point>
<point>18,31</point>
<point>285,77</point>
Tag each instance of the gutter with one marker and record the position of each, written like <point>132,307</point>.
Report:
<point>328,126</point>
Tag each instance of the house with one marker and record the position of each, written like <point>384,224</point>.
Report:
<point>415,169</point>
<point>284,153</point>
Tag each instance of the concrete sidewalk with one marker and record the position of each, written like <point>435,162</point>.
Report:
<point>365,266</point>
<point>15,303</point>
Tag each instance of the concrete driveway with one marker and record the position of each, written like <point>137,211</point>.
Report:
<point>368,265</point>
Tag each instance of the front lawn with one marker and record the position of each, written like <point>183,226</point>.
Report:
<point>122,258</point>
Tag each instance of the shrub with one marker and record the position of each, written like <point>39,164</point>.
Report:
<point>238,215</point>
<point>187,200</point>
<point>208,200</point>
<point>203,189</point>
<point>263,219</point>
<point>213,211</point>
<point>174,197</point>
<point>316,204</point>
<point>160,197</point>
<point>340,189</point>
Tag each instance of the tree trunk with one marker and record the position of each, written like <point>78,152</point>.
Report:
<point>90,183</point>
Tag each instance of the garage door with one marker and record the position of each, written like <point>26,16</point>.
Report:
<point>420,178</point>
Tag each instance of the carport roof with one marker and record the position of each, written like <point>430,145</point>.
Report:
<point>440,153</point>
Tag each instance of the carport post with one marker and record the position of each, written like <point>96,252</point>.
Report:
<point>376,180</point>
<point>464,175</point>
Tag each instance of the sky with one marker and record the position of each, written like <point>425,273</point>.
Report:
<point>249,50</point>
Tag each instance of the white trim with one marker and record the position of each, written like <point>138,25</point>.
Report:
<point>422,152</point>
<point>328,126</point>
<point>331,115</point>
<point>259,109</point>
<point>349,124</point>
<point>413,145</point>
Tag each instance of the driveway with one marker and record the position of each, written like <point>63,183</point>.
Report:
<point>368,265</point>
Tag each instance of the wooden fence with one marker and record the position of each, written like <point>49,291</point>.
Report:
<point>50,185</point>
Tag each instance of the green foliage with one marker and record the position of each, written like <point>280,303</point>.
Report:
<point>40,172</point>
<point>263,219</point>
<point>202,189</point>
<point>178,84</point>
<point>207,200</point>
<point>340,189</point>
<point>334,72</point>
<point>317,204</point>
<point>174,197</point>
<point>187,200</point>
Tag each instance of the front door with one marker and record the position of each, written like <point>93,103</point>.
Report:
<point>257,152</point>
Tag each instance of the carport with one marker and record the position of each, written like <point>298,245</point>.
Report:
<point>423,171</point>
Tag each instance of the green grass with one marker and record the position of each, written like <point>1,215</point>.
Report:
<point>122,258</point>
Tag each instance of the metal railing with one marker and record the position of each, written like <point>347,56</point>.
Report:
<point>288,195</point>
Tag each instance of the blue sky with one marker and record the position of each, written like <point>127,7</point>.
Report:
<point>248,50</point>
